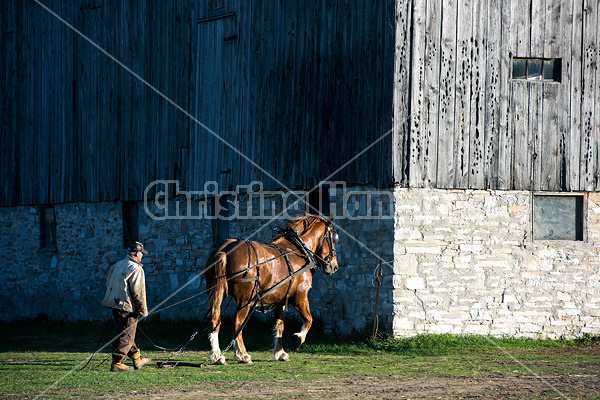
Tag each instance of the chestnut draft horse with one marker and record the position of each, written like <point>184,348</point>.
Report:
<point>272,274</point>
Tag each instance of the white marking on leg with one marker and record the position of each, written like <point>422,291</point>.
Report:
<point>215,351</point>
<point>278,353</point>
<point>302,334</point>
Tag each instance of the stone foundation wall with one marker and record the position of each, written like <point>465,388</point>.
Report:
<point>455,261</point>
<point>465,263</point>
<point>69,284</point>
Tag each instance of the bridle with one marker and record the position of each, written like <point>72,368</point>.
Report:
<point>312,257</point>
<point>332,238</point>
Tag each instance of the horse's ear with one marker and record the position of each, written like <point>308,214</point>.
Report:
<point>331,218</point>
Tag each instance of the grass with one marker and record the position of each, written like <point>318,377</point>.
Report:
<point>41,355</point>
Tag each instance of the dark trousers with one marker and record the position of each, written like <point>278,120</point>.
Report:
<point>124,345</point>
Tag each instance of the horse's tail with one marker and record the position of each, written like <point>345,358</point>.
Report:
<point>216,282</point>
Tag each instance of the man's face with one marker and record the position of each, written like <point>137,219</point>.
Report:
<point>138,256</point>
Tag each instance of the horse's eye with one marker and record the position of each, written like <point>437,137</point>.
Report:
<point>335,237</point>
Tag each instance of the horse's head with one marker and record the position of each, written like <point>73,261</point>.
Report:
<point>325,253</point>
<point>320,238</point>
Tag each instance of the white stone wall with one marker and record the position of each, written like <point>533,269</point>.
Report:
<point>457,261</point>
<point>465,263</point>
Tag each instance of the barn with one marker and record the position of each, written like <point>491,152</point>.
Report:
<point>456,143</point>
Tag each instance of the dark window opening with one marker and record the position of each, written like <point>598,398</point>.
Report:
<point>129,212</point>
<point>48,229</point>
<point>215,7</point>
<point>536,69</point>
<point>219,208</point>
<point>558,217</point>
<point>317,202</point>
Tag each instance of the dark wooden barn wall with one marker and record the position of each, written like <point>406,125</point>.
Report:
<point>470,125</point>
<point>302,87</point>
<point>76,125</point>
<point>297,87</point>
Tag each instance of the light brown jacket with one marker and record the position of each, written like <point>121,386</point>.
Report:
<point>126,287</point>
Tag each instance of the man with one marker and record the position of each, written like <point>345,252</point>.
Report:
<point>126,295</point>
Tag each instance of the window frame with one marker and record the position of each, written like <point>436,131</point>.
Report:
<point>584,209</point>
<point>557,65</point>
<point>48,242</point>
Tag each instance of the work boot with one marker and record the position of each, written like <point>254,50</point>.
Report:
<point>118,367</point>
<point>138,361</point>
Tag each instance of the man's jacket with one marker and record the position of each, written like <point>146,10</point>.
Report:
<point>126,287</point>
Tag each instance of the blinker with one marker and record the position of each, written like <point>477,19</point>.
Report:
<point>335,237</point>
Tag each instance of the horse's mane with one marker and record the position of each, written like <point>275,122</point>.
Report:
<point>303,223</point>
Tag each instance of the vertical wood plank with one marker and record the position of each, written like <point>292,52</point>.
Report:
<point>417,96</point>
<point>431,88</point>
<point>462,108</point>
<point>10,74</point>
<point>551,143</point>
<point>478,96</point>
<point>536,104</point>
<point>576,98</point>
<point>494,50</point>
<point>401,90</point>
<point>563,51</point>
<point>589,129</point>
<point>446,141</point>
<point>520,96</point>
<point>596,123</point>
<point>505,133</point>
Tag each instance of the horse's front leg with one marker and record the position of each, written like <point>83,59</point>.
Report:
<point>278,353</point>
<point>302,306</point>
<point>240,349</point>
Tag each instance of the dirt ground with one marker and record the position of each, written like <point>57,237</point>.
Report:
<point>402,387</point>
<point>577,380</point>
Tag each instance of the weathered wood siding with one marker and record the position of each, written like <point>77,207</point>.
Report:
<point>299,88</point>
<point>76,126</point>
<point>302,87</point>
<point>472,126</point>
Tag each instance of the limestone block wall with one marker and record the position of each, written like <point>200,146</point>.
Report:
<point>465,263</point>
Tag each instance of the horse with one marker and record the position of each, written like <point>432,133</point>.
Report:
<point>274,274</point>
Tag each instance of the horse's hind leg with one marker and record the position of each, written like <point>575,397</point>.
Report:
<point>240,349</point>
<point>215,351</point>
<point>278,353</point>
<point>216,300</point>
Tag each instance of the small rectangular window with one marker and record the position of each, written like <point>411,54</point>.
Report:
<point>536,69</point>
<point>129,212</point>
<point>558,217</point>
<point>519,69</point>
<point>317,202</point>
<point>48,229</point>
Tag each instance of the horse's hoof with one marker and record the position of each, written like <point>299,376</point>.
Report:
<point>296,342</point>
<point>281,356</point>
<point>218,360</point>
<point>246,359</point>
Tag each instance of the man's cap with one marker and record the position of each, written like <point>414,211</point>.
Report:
<point>137,246</point>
